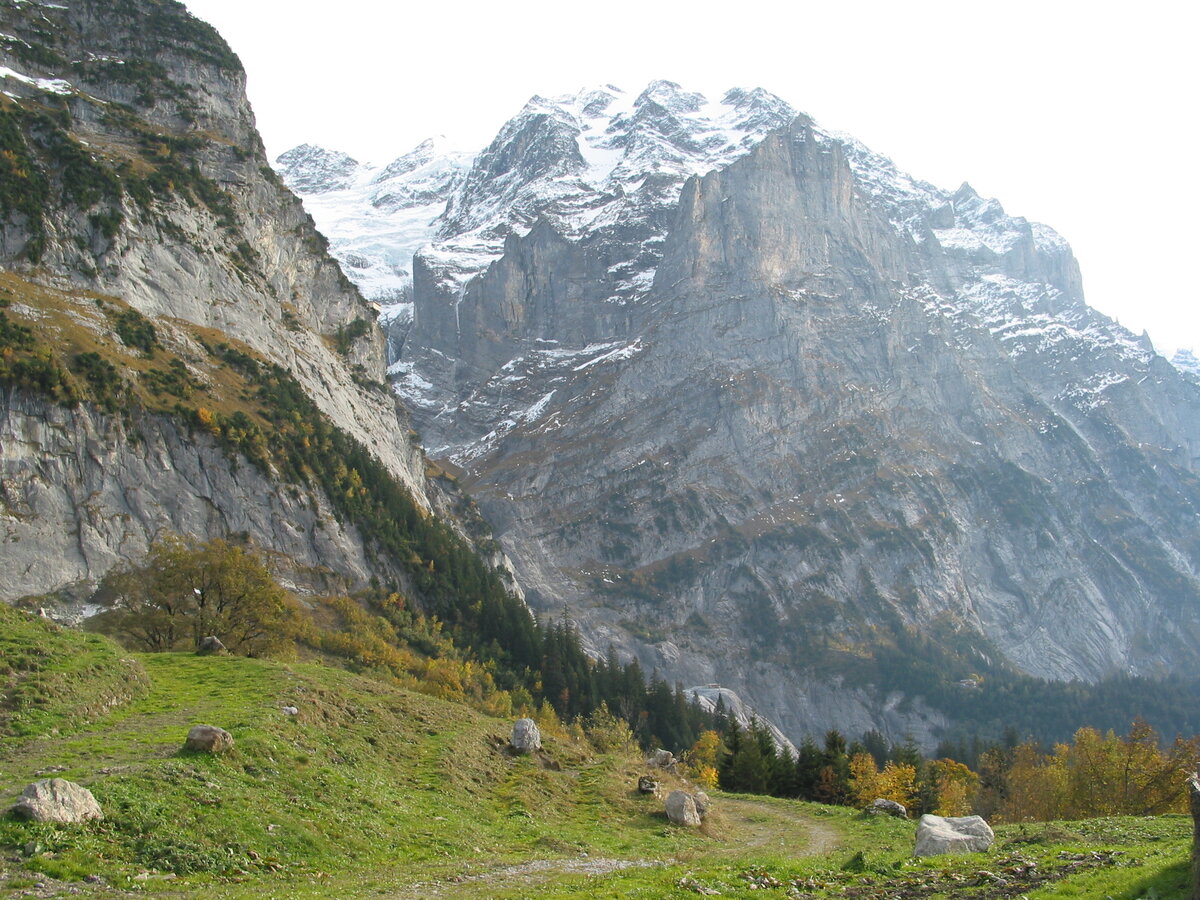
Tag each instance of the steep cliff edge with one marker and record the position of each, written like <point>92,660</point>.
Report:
<point>858,440</point>
<point>154,264</point>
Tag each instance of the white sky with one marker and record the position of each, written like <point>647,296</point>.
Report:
<point>1081,115</point>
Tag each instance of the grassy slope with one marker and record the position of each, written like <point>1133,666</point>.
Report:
<point>372,790</point>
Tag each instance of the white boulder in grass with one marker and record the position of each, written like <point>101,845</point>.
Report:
<point>526,737</point>
<point>681,809</point>
<point>965,834</point>
<point>58,800</point>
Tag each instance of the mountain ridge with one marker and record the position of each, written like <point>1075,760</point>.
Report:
<point>856,403</point>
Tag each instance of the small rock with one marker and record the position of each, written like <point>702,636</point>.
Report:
<point>526,738</point>
<point>681,809</point>
<point>57,800</point>
<point>883,807</point>
<point>647,785</point>
<point>291,711</point>
<point>702,804</point>
<point>209,645</point>
<point>208,739</point>
<point>965,834</point>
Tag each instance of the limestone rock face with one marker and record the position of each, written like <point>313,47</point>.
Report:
<point>208,739</point>
<point>839,404</point>
<point>681,809</point>
<point>212,250</point>
<point>964,834</point>
<point>58,800</point>
<point>526,736</point>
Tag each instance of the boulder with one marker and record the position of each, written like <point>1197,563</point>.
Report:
<point>647,785</point>
<point>702,804</point>
<point>883,807</point>
<point>57,800</point>
<point>663,759</point>
<point>209,645</point>
<point>681,809</point>
<point>965,834</point>
<point>526,738</point>
<point>208,739</point>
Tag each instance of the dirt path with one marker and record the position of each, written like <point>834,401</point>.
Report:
<point>740,824</point>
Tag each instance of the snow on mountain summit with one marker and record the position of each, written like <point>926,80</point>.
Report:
<point>309,169</point>
<point>376,218</point>
<point>600,158</point>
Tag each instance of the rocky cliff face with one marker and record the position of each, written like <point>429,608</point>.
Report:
<point>773,414</point>
<point>134,178</point>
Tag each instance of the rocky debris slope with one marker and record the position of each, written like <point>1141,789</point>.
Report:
<point>761,409</point>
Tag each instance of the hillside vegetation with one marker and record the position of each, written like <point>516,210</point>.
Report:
<point>376,790</point>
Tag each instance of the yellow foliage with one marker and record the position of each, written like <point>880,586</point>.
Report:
<point>898,782</point>
<point>1100,775</point>
<point>956,786</point>
<point>865,785</point>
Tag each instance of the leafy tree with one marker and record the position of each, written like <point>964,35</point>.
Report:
<point>187,590</point>
<point>864,780</point>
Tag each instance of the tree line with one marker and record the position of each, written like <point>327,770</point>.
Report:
<point>1092,774</point>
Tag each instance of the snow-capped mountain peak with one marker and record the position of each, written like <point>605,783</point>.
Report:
<point>309,169</point>
<point>601,158</point>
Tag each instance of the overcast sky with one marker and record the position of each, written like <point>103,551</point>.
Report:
<point>1081,115</point>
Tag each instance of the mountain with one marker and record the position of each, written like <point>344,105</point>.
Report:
<point>755,406</point>
<point>180,352</point>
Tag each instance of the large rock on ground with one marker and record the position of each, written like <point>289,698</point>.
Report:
<point>966,834</point>
<point>58,800</point>
<point>681,809</point>
<point>526,738</point>
<point>882,807</point>
<point>208,739</point>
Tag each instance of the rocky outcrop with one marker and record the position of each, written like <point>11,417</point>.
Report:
<point>964,834</point>
<point>79,496</point>
<point>58,800</point>
<point>849,409</point>
<point>152,189</point>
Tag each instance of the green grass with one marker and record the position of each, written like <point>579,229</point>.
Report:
<point>376,791</point>
<point>53,679</point>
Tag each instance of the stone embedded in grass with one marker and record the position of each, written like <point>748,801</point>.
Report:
<point>208,739</point>
<point>209,645</point>
<point>883,807</point>
<point>681,809</point>
<point>526,738</point>
<point>57,800</point>
<point>663,759</point>
<point>964,834</point>
<point>647,785</point>
<point>703,803</point>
